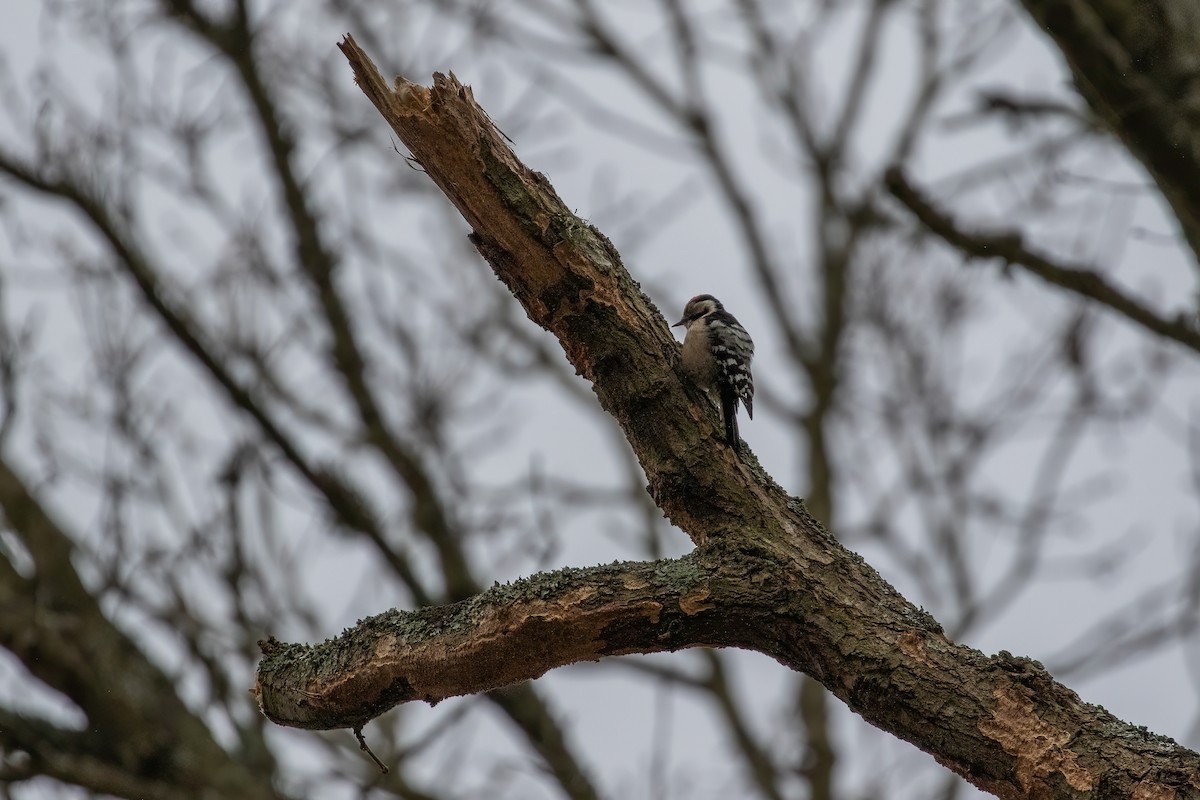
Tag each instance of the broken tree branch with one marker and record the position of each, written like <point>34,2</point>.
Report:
<point>776,581</point>
<point>505,635</point>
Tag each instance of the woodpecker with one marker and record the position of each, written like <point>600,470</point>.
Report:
<point>716,355</point>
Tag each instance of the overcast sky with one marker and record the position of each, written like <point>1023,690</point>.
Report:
<point>1150,504</point>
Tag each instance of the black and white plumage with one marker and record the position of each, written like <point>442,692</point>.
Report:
<point>717,353</point>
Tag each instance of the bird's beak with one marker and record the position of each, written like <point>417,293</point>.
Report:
<point>677,324</point>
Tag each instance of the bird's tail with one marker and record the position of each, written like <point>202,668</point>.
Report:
<point>729,407</point>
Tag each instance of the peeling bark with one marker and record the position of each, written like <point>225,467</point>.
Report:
<point>765,575</point>
<point>505,635</point>
<point>1039,748</point>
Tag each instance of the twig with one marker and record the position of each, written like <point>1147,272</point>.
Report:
<point>362,745</point>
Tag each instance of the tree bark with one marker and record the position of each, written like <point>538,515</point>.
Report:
<point>764,576</point>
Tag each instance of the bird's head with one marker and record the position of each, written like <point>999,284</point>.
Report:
<point>698,307</point>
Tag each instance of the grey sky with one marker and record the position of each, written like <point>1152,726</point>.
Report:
<point>1150,505</point>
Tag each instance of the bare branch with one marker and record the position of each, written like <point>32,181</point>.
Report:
<point>319,264</point>
<point>1134,62</point>
<point>505,635</point>
<point>350,506</point>
<point>1009,247</point>
<point>82,654</point>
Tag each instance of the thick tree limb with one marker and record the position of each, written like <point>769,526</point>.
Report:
<point>1009,248</point>
<point>150,740</point>
<point>505,635</point>
<point>765,576</point>
<point>1137,63</point>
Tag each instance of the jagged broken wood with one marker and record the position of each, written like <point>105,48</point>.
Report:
<point>764,576</point>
